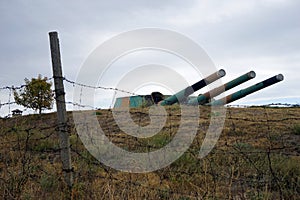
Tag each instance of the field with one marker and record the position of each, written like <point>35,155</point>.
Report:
<point>256,157</point>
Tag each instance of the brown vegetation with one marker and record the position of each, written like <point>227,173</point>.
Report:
<point>256,157</point>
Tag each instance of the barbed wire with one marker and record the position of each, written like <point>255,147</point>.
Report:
<point>116,90</point>
<point>98,87</point>
<point>12,87</point>
<point>30,141</point>
<point>7,103</point>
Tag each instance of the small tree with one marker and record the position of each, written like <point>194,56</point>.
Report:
<point>36,94</point>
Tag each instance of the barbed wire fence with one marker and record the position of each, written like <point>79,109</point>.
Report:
<point>7,99</point>
<point>257,155</point>
<point>267,154</point>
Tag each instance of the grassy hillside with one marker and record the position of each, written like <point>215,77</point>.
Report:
<point>256,157</point>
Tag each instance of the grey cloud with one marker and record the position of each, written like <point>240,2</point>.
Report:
<point>251,38</point>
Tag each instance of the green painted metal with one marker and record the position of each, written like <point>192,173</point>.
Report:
<point>136,101</point>
<point>204,98</point>
<point>118,103</point>
<point>183,94</point>
<point>242,93</point>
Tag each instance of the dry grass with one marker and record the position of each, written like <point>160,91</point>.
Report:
<point>256,157</point>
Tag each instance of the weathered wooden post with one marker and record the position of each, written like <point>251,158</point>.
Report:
<point>61,109</point>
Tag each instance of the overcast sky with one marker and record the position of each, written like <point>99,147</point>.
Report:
<point>239,36</point>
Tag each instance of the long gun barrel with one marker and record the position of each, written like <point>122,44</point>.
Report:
<point>183,94</point>
<point>244,92</point>
<point>204,98</point>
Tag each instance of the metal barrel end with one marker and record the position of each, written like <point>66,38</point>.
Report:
<point>279,77</point>
<point>251,74</point>
<point>221,73</point>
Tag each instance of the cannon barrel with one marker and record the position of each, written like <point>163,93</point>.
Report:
<point>183,94</point>
<point>244,92</point>
<point>204,98</point>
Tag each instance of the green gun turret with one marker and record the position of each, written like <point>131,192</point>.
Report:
<point>244,92</point>
<point>183,94</point>
<point>205,98</point>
